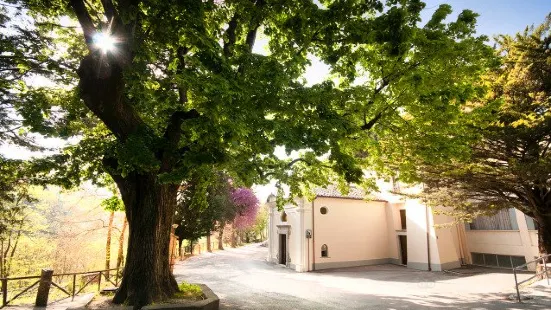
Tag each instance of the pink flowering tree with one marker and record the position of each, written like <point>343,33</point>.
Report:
<point>246,205</point>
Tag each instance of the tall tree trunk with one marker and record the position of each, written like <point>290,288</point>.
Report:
<point>209,248</point>
<point>120,254</point>
<point>149,209</point>
<point>220,237</point>
<point>3,260</point>
<point>544,234</point>
<point>191,246</point>
<point>180,253</point>
<point>233,238</point>
<point>108,244</point>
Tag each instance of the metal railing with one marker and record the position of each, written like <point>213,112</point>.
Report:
<point>543,260</point>
<point>46,278</point>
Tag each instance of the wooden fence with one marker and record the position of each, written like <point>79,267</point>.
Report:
<point>45,281</point>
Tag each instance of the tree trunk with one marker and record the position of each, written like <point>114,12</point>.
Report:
<point>220,236</point>
<point>120,254</point>
<point>108,244</point>
<point>209,248</point>
<point>149,209</point>
<point>544,234</point>
<point>233,238</point>
<point>191,247</point>
<point>180,253</point>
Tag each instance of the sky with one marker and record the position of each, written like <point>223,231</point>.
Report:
<point>499,16</point>
<point>496,17</point>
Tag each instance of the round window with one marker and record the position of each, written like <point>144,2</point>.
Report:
<point>323,210</point>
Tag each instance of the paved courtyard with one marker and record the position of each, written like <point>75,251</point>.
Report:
<point>244,280</point>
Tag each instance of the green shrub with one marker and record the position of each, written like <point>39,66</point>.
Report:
<point>189,291</point>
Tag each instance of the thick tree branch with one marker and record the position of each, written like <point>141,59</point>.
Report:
<point>230,32</point>
<point>109,9</point>
<point>251,37</point>
<point>182,89</point>
<point>368,125</point>
<point>254,25</point>
<point>88,28</point>
<point>172,136</point>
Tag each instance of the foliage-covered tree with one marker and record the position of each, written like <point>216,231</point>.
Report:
<point>112,205</point>
<point>165,87</point>
<point>246,208</point>
<point>510,166</point>
<point>203,201</point>
<point>261,223</point>
<point>15,209</point>
<point>246,205</point>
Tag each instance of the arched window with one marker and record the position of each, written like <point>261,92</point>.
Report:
<point>323,210</point>
<point>324,251</point>
<point>283,216</point>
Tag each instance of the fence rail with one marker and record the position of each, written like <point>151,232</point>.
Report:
<point>543,259</point>
<point>45,281</point>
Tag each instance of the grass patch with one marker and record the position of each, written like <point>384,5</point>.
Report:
<point>189,291</point>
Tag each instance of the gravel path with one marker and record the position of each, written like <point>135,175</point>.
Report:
<point>244,280</point>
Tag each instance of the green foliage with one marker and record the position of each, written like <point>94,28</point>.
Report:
<point>184,88</point>
<point>397,89</point>
<point>204,201</point>
<point>510,165</point>
<point>113,203</point>
<point>189,291</point>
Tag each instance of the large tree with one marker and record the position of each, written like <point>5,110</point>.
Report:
<point>510,165</point>
<point>165,87</point>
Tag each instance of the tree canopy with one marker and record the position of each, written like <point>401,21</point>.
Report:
<point>247,207</point>
<point>510,165</point>
<point>155,90</point>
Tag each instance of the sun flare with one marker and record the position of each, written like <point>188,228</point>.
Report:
<point>104,42</point>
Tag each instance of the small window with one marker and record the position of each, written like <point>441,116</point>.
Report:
<point>478,259</point>
<point>504,219</point>
<point>283,216</point>
<point>494,260</point>
<point>324,252</point>
<point>403,219</point>
<point>323,210</point>
<point>490,260</point>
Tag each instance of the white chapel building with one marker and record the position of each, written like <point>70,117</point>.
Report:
<point>335,230</point>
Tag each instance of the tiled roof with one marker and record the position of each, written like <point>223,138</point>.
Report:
<point>332,191</point>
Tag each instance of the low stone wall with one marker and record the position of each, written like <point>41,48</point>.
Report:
<point>212,302</point>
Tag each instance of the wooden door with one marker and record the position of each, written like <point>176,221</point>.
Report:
<point>283,249</point>
<point>404,249</point>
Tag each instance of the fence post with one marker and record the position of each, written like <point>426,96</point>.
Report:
<point>44,288</point>
<point>516,284</point>
<point>74,286</point>
<point>99,281</point>
<point>117,277</point>
<point>544,261</point>
<point>4,292</point>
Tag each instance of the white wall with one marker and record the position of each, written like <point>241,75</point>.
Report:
<point>521,242</point>
<point>447,241</point>
<point>416,218</point>
<point>355,231</point>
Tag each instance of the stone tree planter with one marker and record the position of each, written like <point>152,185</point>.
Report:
<point>211,302</point>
